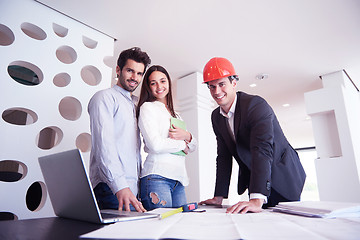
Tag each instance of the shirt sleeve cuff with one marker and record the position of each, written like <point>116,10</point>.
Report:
<point>192,144</point>
<point>258,196</point>
<point>117,185</point>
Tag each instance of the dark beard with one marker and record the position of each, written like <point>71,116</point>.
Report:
<point>126,87</point>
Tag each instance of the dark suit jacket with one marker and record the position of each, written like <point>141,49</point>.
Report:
<point>265,157</point>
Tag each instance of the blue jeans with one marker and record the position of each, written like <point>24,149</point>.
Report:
<point>157,191</point>
<point>105,197</point>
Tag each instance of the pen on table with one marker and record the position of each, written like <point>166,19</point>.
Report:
<point>170,213</point>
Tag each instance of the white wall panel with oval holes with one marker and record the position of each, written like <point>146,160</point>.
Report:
<point>50,66</point>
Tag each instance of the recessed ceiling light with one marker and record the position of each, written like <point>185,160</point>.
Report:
<point>286,105</point>
<point>262,76</point>
<point>252,85</point>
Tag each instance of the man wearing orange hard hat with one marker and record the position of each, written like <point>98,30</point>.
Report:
<point>247,129</point>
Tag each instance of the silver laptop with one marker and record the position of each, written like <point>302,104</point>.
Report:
<point>71,193</point>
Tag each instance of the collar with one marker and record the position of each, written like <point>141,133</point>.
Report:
<point>232,109</point>
<point>125,93</point>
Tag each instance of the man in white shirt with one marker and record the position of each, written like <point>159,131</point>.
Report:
<point>115,159</point>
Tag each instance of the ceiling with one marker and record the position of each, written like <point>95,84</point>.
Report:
<point>294,42</point>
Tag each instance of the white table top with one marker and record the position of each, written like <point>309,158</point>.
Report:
<point>216,224</point>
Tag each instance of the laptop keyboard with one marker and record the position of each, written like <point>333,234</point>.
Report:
<point>112,215</point>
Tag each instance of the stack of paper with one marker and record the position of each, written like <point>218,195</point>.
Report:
<point>319,209</point>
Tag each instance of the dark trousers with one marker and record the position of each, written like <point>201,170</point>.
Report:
<point>105,197</point>
<point>274,199</point>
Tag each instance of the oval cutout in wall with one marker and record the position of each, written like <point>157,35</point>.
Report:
<point>7,216</point>
<point>60,30</point>
<point>66,54</point>
<point>88,42</point>
<point>12,170</point>
<point>83,142</point>
<point>25,73</point>
<point>19,116</point>
<point>91,75</point>
<point>7,36</point>
<point>36,196</point>
<point>62,80</point>
<point>70,108</point>
<point>49,137</point>
<point>33,31</point>
<point>109,61</point>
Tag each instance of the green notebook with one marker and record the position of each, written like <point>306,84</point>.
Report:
<point>181,124</point>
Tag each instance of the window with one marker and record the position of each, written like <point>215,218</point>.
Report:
<point>307,158</point>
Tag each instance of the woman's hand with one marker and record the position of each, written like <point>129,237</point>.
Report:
<point>186,150</point>
<point>177,133</point>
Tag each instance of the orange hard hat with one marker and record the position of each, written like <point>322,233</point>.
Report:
<point>217,68</point>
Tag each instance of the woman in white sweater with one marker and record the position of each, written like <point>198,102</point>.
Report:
<point>163,175</point>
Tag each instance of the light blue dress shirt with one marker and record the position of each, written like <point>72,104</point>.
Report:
<point>115,153</point>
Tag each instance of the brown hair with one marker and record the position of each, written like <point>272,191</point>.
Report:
<point>135,54</point>
<point>146,94</point>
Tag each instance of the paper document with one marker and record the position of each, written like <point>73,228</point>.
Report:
<point>215,224</point>
<point>319,209</point>
<point>185,225</point>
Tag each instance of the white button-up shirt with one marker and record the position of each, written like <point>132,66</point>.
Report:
<point>154,124</point>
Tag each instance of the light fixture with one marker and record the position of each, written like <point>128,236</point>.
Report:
<point>286,105</point>
<point>262,76</point>
<point>252,85</point>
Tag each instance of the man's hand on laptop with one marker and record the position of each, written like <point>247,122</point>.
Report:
<point>126,197</point>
